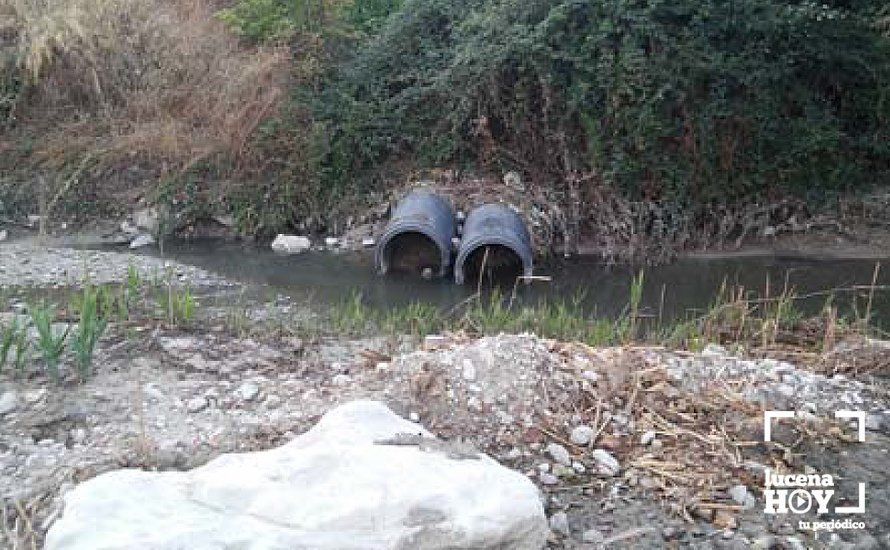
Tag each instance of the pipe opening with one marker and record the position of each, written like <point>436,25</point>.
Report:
<point>412,253</point>
<point>501,266</point>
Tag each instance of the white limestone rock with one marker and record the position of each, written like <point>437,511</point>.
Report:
<point>331,488</point>
<point>291,244</point>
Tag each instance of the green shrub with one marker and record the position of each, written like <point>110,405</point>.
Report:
<point>688,102</point>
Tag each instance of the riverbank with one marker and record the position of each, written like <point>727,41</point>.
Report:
<point>628,445</point>
<point>629,441</point>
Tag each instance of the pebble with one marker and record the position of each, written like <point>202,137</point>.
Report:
<point>247,391</point>
<point>548,479</point>
<point>9,401</point>
<point>671,533</point>
<point>742,496</point>
<point>469,371</point>
<point>607,464</point>
<point>582,435</point>
<point>341,380</point>
<point>559,523</point>
<point>867,542</point>
<point>647,438</point>
<point>272,402</point>
<point>142,241</point>
<point>765,542</point>
<point>593,536</point>
<point>79,436</point>
<point>196,404</point>
<point>559,453</point>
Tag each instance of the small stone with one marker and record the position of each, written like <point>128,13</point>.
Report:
<point>332,242</point>
<point>196,404</point>
<point>671,533</point>
<point>606,463</point>
<point>559,453</point>
<point>272,402</point>
<point>725,520</point>
<point>368,242</point>
<point>593,536</point>
<point>78,436</point>
<point>248,391</point>
<point>559,523</point>
<point>413,416</point>
<point>9,401</point>
<point>866,542</point>
<point>582,435</point>
<point>513,454</point>
<point>142,241</point>
<point>591,376</point>
<point>548,479</point>
<point>713,350</point>
<point>765,542</point>
<point>341,380</point>
<point>291,244</point>
<point>647,438</point>
<point>742,496</point>
<point>578,467</point>
<point>469,371</point>
<point>561,471</point>
<point>3,235</point>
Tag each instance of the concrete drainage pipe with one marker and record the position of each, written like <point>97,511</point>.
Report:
<point>418,237</point>
<point>495,239</point>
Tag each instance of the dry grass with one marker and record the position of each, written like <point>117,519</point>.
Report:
<point>159,79</point>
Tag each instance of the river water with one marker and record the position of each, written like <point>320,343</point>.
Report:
<point>673,291</point>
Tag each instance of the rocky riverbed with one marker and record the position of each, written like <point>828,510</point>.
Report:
<point>638,447</point>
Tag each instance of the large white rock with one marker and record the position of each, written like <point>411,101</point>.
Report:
<point>291,244</point>
<point>331,488</point>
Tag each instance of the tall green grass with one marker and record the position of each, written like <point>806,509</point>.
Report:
<point>50,342</point>
<point>90,328</point>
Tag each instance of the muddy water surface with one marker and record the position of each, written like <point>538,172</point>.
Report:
<point>674,291</point>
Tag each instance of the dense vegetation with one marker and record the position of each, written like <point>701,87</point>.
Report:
<point>677,105</point>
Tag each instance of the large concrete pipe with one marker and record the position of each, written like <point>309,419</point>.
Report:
<point>418,236</point>
<point>494,239</point>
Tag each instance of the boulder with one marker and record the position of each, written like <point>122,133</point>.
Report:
<point>338,486</point>
<point>291,244</point>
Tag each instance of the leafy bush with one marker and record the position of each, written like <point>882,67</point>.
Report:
<point>689,101</point>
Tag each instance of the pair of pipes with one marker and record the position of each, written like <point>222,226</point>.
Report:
<point>423,227</point>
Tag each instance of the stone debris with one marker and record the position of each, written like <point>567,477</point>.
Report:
<point>27,265</point>
<point>9,401</point>
<point>332,487</point>
<point>142,241</point>
<point>582,435</point>
<point>578,422</point>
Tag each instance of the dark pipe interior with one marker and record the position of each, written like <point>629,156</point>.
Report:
<point>413,253</point>
<point>502,265</point>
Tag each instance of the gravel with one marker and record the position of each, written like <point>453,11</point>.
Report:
<point>24,265</point>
